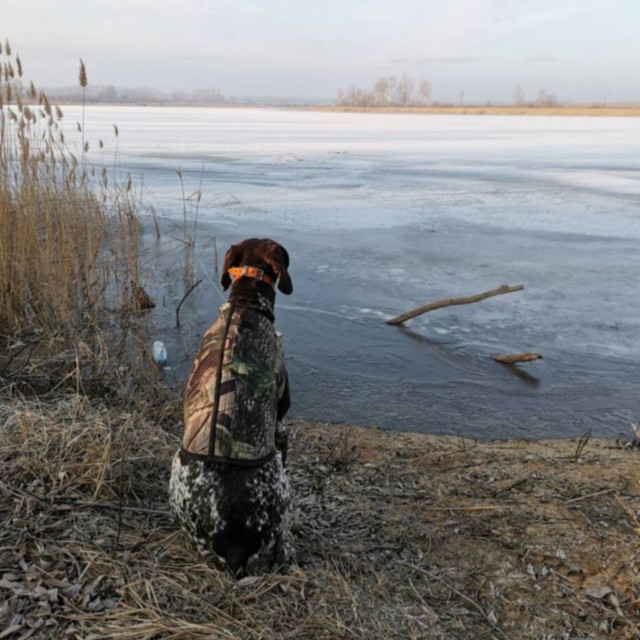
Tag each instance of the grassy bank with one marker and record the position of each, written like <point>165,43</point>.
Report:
<point>590,111</point>
<point>398,536</point>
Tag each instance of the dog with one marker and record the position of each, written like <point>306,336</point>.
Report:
<point>228,488</point>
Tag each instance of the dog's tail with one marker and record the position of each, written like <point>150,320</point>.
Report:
<point>237,558</point>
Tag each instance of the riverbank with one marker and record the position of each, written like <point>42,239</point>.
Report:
<point>399,535</point>
<point>590,111</point>
<point>495,110</point>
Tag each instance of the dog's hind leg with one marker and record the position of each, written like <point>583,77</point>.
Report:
<point>279,558</point>
<point>282,442</point>
<point>282,552</point>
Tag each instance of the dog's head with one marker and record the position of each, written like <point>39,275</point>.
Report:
<point>262,253</point>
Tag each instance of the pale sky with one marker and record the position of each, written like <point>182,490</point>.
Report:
<point>579,50</point>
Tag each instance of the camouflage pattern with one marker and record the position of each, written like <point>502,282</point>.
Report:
<point>243,349</point>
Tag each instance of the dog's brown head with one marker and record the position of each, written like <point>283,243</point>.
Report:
<point>262,253</point>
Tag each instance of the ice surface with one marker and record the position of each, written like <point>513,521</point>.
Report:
<point>384,212</point>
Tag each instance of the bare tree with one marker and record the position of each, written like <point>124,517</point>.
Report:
<point>387,91</point>
<point>357,97</point>
<point>382,92</point>
<point>424,92</point>
<point>518,96</point>
<point>404,91</point>
<point>546,99</point>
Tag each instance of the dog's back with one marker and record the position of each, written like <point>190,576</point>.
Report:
<point>231,399</point>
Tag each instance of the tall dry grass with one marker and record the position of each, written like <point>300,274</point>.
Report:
<point>69,239</point>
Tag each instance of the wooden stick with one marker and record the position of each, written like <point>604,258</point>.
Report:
<point>480,507</point>
<point>448,302</point>
<point>604,492</point>
<point>184,297</point>
<point>118,507</point>
<point>512,358</point>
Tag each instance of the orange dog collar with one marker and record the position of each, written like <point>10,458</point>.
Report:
<point>250,272</point>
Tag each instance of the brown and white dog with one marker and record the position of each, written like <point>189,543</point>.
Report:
<point>228,487</point>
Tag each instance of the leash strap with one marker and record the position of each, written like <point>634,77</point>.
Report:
<point>186,456</point>
<point>216,400</point>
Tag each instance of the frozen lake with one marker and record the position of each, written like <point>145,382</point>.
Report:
<point>381,213</point>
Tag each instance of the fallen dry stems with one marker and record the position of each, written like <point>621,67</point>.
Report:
<point>368,559</point>
<point>488,616</point>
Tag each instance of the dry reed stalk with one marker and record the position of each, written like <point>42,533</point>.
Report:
<point>68,251</point>
<point>190,213</point>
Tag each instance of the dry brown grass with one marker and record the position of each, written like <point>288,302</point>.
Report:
<point>69,238</point>
<point>398,536</point>
<point>499,110</point>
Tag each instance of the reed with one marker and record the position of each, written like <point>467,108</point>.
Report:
<point>68,240</point>
<point>190,212</point>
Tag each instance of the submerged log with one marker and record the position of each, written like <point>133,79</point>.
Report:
<point>512,358</point>
<point>448,302</point>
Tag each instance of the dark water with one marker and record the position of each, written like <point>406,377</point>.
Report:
<point>435,375</point>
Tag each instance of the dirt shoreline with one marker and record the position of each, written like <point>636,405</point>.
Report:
<point>578,110</point>
<point>398,535</point>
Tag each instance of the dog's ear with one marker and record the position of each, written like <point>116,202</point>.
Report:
<point>232,258</point>
<point>279,261</point>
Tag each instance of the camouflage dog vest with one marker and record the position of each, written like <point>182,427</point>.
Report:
<point>237,378</point>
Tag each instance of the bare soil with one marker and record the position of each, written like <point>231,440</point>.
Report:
<point>398,536</point>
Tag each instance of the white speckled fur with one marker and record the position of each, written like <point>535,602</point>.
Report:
<point>203,499</point>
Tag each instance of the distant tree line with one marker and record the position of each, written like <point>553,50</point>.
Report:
<point>404,91</point>
<point>137,95</point>
<point>543,99</point>
<point>387,91</point>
